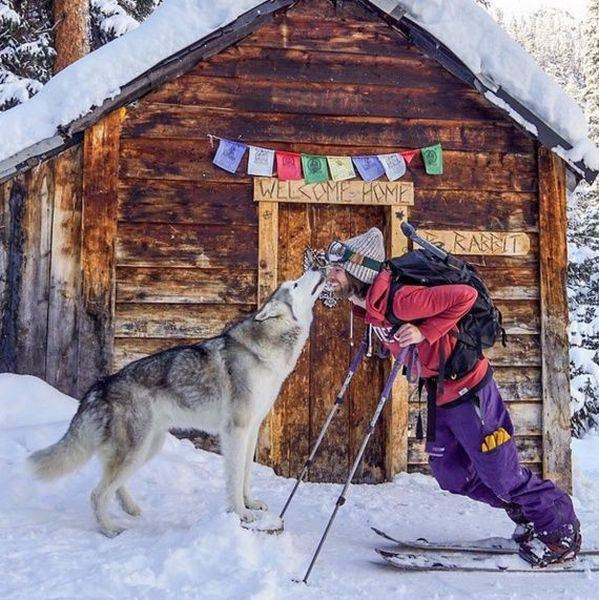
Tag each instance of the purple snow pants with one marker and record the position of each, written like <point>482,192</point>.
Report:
<point>494,477</point>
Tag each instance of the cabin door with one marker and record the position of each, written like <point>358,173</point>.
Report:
<point>309,392</point>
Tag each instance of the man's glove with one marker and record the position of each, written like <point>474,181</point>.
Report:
<point>382,333</point>
<point>408,332</point>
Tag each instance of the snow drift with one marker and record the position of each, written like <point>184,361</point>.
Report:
<point>186,546</point>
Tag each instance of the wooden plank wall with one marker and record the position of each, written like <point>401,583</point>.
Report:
<point>40,218</point>
<point>342,83</point>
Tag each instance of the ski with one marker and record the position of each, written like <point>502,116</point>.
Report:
<point>492,545</point>
<point>470,563</point>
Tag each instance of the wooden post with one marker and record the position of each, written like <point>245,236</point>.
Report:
<point>24,263</point>
<point>553,264</point>
<point>396,443</point>
<point>65,274</point>
<point>99,225</point>
<point>268,449</point>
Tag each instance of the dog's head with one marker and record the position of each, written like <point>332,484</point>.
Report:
<point>294,299</point>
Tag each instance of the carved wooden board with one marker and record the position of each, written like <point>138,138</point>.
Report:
<point>371,193</point>
<point>498,243</point>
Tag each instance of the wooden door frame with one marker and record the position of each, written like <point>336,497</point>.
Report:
<point>269,448</point>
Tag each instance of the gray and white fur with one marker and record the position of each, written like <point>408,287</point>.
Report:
<point>225,385</point>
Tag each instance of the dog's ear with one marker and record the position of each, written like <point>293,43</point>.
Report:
<point>271,310</point>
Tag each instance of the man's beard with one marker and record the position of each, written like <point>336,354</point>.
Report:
<point>342,292</point>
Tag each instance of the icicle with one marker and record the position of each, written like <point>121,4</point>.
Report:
<point>369,352</point>
<point>351,327</point>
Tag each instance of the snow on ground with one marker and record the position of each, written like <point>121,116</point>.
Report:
<point>186,546</point>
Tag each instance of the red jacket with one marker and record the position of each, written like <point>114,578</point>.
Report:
<point>441,307</point>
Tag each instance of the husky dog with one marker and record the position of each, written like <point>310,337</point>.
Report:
<point>225,385</point>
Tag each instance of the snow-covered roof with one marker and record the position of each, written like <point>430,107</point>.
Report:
<point>458,33</point>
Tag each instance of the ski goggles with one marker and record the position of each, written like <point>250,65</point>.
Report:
<point>339,253</point>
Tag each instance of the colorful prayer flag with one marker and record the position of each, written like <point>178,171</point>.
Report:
<point>394,165</point>
<point>409,155</point>
<point>369,167</point>
<point>229,155</point>
<point>341,168</point>
<point>261,161</point>
<point>289,165</point>
<point>433,159</point>
<point>315,168</point>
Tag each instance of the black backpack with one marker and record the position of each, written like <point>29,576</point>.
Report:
<point>480,328</point>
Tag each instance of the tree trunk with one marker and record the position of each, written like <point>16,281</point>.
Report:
<point>71,39</point>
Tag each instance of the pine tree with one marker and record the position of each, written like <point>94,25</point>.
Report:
<point>554,38</point>
<point>26,52</point>
<point>583,271</point>
<point>113,18</point>
<point>71,36</point>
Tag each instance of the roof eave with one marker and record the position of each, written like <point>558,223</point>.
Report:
<point>395,15</point>
<point>245,24</point>
<point>163,71</point>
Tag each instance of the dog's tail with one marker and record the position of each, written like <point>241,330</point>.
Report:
<point>74,449</point>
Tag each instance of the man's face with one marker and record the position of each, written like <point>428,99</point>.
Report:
<point>338,282</point>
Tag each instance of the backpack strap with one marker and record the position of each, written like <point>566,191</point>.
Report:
<point>389,314</point>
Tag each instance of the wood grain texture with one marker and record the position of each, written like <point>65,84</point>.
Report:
<point>329,356</point>
<point>553,266</point>
<point>522,384</point>
<point>27,221</point>
<point>326,98</point>
<point>173,121</point>
<point>268,447</point>
<point>186,245</point>
<point>99,229</point>
<point>368,383</point>
<point>176,320</point>
<point>291,413</point>
<point>302,32</point>
<point>185,286</point>
<point>406,69</point>
<point>156,201</point>
<point>396,443</point>
<point>62,348</point>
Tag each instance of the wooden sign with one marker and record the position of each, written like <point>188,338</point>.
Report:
<point>479,242</point>
<point>371,193</point>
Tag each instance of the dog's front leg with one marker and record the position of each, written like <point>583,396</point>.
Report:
<point>250,502</point>
<point>234,442</point>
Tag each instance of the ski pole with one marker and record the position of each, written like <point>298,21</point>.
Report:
<point>379,407</point>
<point>336,406</point>
<point>410,232</point>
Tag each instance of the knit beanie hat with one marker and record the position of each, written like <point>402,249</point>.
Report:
<point>370,244</point>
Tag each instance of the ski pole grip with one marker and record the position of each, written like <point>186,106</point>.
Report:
<point>407,229</point>
<point>410,232</point>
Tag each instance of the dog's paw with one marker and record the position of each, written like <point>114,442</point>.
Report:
<point>255,504</point>
<point>246,515</point>
<point>111,532</point>
<point>132,509</point>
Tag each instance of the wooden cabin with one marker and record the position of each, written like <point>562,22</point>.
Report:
<point>120,237</point>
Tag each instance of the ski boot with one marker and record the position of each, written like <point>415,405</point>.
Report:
<point>552,548</point>
<point>525,530</point>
